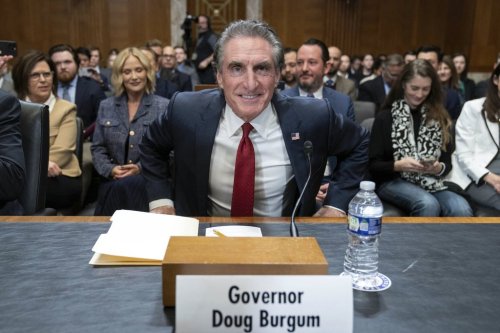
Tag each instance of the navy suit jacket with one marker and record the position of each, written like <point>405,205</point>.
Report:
<point>189,128</point>
<point>373,91</point>
<point>88,96</point>
<point>11,155</point>
<point>341,103</point>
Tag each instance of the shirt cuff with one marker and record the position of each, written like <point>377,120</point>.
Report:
<point>340,210</point>
<point>159,203</point>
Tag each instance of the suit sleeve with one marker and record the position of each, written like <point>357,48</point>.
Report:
<point>11,149</point>
<point>349,143</point>
<point>155,151</point>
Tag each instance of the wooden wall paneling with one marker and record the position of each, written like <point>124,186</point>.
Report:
<point>296,21</point>
<point>221,12</point>
<point>458,34</point>
<point>342,23</point>
<point>118,25</point>
<point>485,43</point>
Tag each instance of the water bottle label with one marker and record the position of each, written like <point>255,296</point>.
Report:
<point>364,226</point>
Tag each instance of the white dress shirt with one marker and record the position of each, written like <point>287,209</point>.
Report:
<point>273,170</point>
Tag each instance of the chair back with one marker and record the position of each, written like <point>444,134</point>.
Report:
<point>363,110</point>
<point>203,86</point>
<point>35,135</point>
<point>79,140</point>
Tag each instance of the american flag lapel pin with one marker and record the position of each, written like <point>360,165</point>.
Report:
<point>295,136</point>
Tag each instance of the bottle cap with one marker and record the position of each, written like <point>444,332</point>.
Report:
<point>367,185</point>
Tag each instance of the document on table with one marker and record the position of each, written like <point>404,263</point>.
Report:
<point>138,238</point>
<point>233,231</point>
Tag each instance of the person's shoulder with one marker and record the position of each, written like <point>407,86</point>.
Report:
<point>475,105</point>
<point>159,100</point>
<point>6,97</point>
<point>290,91</point>
<point>330,92</point>
<point>88,83</point>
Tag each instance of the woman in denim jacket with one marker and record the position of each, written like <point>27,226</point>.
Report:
<point>121,122</point>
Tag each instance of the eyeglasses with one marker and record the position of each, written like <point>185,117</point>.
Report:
<point>168,56</point>
<point>38,76</point>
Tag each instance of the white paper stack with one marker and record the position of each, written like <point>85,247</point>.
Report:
<point>138,238</point>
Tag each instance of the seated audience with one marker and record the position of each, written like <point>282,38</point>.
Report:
<point>82,91</point>
<point>185,66</point>
<point>35,81</point>
<point>169,71</point>
<point>365,69</point>
<point>449,77</point>
<point>409,56</point>
<point>289,70</point>
<point>121,122</point>
<point>377,89</point>
<point>335,81</point>
<point>410,146</point>
<point>462,67</point>
<point>451,98</point>
<point>476,160</point>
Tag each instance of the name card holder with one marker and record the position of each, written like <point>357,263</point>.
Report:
<point>239,256</point>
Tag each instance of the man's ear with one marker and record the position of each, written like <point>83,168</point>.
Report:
<point>327,68</point>
<point>219,79</point>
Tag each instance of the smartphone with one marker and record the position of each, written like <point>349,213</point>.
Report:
<point>428,161</point>
<point>8,47</point>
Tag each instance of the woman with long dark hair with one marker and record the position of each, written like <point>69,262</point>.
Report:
<point>410,146</point>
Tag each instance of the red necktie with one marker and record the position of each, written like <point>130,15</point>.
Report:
<point>244,176</point>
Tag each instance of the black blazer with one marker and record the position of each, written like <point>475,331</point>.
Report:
<point>11,153</point>
<point>88,96</point>
<point>189,128</point>
<point>373,91</point>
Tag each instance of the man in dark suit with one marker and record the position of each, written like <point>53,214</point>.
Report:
<point>312,65</point>
<point>313,62</point>
<point>11,155</point>
<point>181,81</point>
<point>335,81</point>
<point>377,89</point>
<point>85,92</point>
<point>207,129</point>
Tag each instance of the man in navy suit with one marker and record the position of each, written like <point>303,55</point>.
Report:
<point>11,154</point>
<point>85,92</point>
<point>312,64</point>
<point>204,130</point>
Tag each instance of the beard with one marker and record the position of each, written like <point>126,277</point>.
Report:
<point>66,76</point>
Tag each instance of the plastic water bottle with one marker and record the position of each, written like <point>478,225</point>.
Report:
<point>363,230</point>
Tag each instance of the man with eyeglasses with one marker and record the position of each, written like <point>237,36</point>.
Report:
<point>169,71</point>
<point>82,91</point>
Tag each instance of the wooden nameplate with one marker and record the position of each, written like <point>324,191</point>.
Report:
<point>239,256</point>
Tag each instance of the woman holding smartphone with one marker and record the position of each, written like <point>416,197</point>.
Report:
<point>410,146</point>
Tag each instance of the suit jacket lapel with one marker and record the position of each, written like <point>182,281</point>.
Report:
<point>290,123</point>
<point>206,129</point>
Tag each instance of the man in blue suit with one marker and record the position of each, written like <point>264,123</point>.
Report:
<point>85,92</point>
<point>312,65</point>
<point>206,130</point>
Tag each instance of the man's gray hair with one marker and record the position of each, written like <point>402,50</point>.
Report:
<point>248,28</point>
